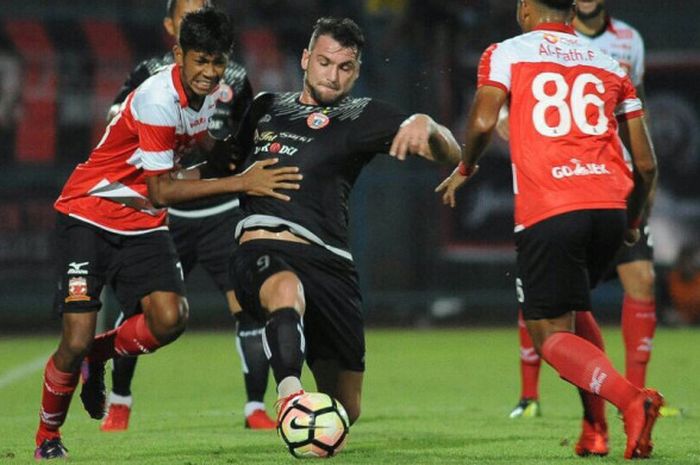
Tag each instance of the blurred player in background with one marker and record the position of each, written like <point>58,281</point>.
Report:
<point>571,185</point>
<point>293,265</point>
<point>111,225</point>
<point>203,233</point>
<point>633,264</point>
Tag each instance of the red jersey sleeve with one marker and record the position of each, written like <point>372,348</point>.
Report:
<point>494,68</point>
<point>628,106</point>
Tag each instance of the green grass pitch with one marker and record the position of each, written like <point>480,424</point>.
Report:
<point>430,397</point>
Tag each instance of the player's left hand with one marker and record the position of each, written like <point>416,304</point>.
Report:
<point>451,184</point>
<point>413,137</point>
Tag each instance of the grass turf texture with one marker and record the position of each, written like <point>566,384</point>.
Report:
<point>430,397</point>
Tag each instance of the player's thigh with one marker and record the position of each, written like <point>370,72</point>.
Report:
<point>333,321</point>
<point>185,234</point>
<point>552,262</point>
<point>252,265</point>
<point>215,246</point>
<point>83,256</point>
<point>146,264</point>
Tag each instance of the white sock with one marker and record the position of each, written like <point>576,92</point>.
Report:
<point>288,385</point>
<point>121,400</point>
<point>251,407</point>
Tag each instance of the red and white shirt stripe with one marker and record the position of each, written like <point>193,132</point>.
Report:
<point>109,189</point>
<point>565,98</point>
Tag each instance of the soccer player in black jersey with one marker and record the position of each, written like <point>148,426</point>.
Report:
<point>201,230</point>
<point>293,267</point>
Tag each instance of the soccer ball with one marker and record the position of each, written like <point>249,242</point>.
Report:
<point>314,425</point>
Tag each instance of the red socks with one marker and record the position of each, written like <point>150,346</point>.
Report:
<point>530,363</point>
<point>586,366</point>
<point>638,326</point>
<point>593,405</point>
<point>55,400</point>
<point>134,337</point>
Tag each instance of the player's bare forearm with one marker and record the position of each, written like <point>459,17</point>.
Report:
<point>443,146</point>
<point>164,190</point>
<point>635,135</point>
<point>483,118</point>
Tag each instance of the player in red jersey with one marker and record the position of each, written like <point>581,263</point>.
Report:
<point>201,230</point>
<point>111,226</point>
<point>633,265</point>
<point>572,187</point>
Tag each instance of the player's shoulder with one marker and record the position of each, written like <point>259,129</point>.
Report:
<point>157,91</point>
<point>235,74</point>
<point>624,30</point>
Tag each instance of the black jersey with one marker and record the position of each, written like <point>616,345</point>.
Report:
<point>330,145</point>
<point>235,76</point>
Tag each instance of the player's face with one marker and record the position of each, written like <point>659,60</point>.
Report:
<point>330,71</point>
<point>200,71</point>
<point>172,24</point>
<point>587,9</point>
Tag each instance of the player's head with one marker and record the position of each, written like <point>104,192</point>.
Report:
<point>331,63</point>
<point>530,13</point>
<point>206,39</point>
<point>176,10</point>
<point>588,9</point>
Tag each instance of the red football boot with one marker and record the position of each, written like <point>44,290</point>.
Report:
<point>281,404</point>
<point>593,440</point>
<point>639,418</point>
<point>259,420</point>
<point>117,418</point>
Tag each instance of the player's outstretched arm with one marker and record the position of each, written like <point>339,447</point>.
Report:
<point>483,117</point>
<point>422,136</point>
<point>635,136</point>
<point>257,180</point>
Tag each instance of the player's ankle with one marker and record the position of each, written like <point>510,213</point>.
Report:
<point>288,386</point>
<point>252,406</point>
<point>121,400</point>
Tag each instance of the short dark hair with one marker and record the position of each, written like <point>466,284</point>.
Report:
<point>172,4</point>
<point>343,30</point>
<point>206,30</point>
<point>560,5</point>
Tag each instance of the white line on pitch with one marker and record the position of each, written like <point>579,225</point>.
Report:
<point>22,371</point>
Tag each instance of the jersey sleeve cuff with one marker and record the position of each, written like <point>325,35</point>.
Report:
<point>497,84</point>
<point>630,115</point>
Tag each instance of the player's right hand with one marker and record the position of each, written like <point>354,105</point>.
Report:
<point>450,185</point>
<point>261,181</point>
<point>631,236</point>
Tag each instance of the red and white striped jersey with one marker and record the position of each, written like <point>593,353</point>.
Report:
<point>565,98</point>
<point>109,189</point>
<point>622,42</point>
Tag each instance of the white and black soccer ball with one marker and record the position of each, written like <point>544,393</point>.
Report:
<point>314,425</point>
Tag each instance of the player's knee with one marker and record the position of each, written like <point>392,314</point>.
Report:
<point>282,290</point>
<point>74,347</point>
<point>168,317</point>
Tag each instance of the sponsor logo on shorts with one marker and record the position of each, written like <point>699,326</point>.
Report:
<point>317,120</point>
<point>77,290</point>
<point>579,169</point>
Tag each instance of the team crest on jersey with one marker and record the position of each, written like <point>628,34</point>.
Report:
<point>77,289</point>
<point>225,93</point>
<point>317,120</point>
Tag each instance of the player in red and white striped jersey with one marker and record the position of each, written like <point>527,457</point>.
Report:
<point>112,229</point>
<point>572,187</point>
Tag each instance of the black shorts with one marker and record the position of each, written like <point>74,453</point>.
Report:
<point>134,266</point>
<point>642,250</point>
<point>208,241</point>
<point>333,320</point>
<point>562,258</point>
